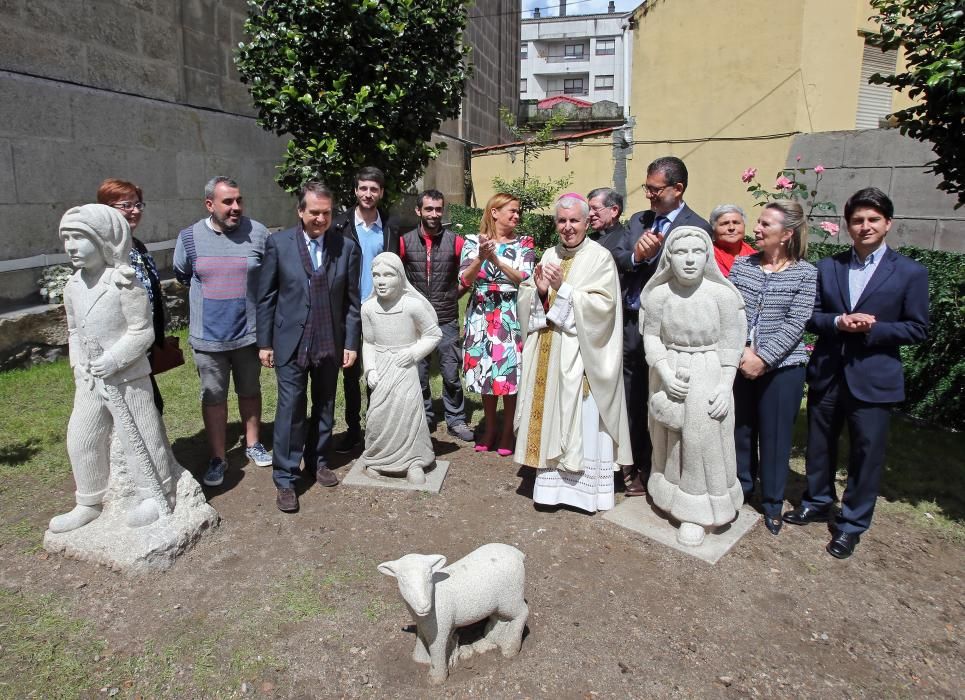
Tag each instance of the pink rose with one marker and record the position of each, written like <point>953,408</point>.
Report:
<point>783,183</point>
<point>819,169</point>
<point>749,175</point>
<point>797,158</point>
<point>829,228</point>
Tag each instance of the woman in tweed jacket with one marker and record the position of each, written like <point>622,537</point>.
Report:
<point>778,287</point>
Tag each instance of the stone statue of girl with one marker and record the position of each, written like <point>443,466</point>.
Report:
<point>693,328</point>
<point>399,328</point>
<point>109,333</point>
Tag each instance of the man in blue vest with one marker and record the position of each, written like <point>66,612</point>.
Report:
<point>430,254</point>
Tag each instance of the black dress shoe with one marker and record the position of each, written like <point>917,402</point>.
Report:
<point>802,515</point>
<point>325,477</point>
<point>287,500</point>
<point>773,524</point>
<point>842,544</point>
<point>348,442</point>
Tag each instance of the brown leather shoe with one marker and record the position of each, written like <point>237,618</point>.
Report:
<point>325,477</point>
<point>287,500</point>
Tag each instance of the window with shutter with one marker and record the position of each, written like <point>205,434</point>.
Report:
<point>874,101</point>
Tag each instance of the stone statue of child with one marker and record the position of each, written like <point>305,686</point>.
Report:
<point>399,328</point>
<point>109,333</point>
<point>693,328</point>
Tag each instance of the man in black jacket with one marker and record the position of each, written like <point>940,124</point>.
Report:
<point>430,254</point>
<point>370,229</point>
<point>606,207</point>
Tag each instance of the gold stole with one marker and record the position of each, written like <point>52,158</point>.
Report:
<point>534,435</point>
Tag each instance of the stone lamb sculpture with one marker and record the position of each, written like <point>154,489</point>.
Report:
<point>693,326</point>
<point>486,583</point>
<point>399,328</point>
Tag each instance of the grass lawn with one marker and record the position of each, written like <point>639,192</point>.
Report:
<point>47,650</point>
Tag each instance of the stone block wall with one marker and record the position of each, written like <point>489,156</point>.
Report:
<point>143,90</point>
<point>925,216</point>
<point>147,91</point>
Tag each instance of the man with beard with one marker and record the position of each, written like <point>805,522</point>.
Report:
<point>430,257</point>
<point>219,257</point>
<point>369,228</point>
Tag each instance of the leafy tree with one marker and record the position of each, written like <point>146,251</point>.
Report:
<point>355,83</point>
<point>533,192</point>
<point>932,33</point>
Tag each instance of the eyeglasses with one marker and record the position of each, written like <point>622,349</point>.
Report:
<point>129,206</point>
<point>655,191</point>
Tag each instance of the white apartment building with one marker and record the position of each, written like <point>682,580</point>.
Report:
<point>581,56</point>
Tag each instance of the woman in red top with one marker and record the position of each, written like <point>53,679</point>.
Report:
<point>727,222</point>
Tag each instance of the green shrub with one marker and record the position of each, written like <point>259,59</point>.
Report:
<point>935,369</point>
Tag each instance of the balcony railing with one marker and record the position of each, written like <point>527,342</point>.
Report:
<point>571,93</point>
<point>566,59</point>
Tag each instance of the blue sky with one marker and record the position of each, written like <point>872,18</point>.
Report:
<point>550,8</point>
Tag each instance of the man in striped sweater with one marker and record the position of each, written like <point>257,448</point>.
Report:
<point>219,257</point>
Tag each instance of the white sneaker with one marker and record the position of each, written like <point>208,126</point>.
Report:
<point>259,455</point>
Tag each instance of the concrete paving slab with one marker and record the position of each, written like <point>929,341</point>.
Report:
<point>434,479</point>
<point>640,515</point>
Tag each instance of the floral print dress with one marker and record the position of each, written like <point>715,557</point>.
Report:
<point>493,343</point>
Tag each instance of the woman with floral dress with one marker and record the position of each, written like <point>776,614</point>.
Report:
<point>492,266</point>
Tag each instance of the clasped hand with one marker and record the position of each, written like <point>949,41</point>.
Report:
<point>676,387</point>
<point>856,323</point>
<point>647,246</point>
<point>488,249</point>
<point>548,275</point>
<point>103,366</point>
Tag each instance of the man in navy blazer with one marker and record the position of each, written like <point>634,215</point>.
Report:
<point>870,301</point>
<point>665,185</point>
<point>308,326</point>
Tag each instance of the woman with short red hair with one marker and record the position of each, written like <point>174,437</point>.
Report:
<point>128,199</point>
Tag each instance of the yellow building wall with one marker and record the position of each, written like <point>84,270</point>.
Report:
<point>739,69</point>
<point>723,85</point>
<point>589,164</point>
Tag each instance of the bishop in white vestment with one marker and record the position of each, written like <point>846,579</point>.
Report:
<point>571,416</point>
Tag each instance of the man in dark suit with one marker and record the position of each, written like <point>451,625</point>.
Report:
<point>372,232</point>
<point>665,186</point>
<point>308,325</point>
<point>870,301</point>
<point>606,207</point>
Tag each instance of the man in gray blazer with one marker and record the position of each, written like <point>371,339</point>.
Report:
<point>308,327</point>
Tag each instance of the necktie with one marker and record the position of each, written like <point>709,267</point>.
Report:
<point>313,251</point>
<point>659,223</point>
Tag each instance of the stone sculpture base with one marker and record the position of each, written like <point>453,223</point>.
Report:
<point>109,541</point>
<point>640,515</point>
<point>433,484</point>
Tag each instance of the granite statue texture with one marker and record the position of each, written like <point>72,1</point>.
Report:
<point>693,328</point>
<point>399,328</point>
<point>136,507</point>
<point>486,584</point>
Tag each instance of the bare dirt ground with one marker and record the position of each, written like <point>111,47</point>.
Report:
<point>275,605</point>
